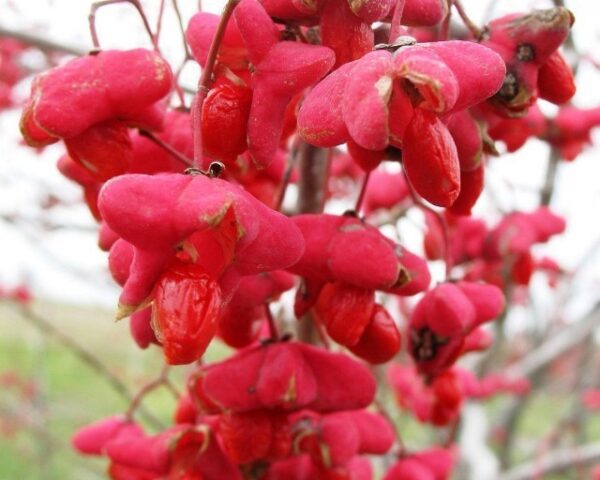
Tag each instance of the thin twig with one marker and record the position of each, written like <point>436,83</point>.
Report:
<point>161,11</point>
<point>103,3</point>
<point>555,461</point>
<point>476,31</point>
<point>550,180</point>
<point>445,25</point>
<point>165,146</point>
<point>136,402</point>
<point>186,49</point>
<point>187,57</point>
<point>285,180</point>
<point>363,190</point>
<point>396,28</point>
<point>85,357</point>
<point>556,345</point>
<point>320,328</point>
<point>42,43</point>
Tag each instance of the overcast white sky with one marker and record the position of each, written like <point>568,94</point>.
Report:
<point>66,265</point>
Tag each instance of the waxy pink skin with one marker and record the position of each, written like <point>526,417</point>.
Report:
<point>471,186</point>
<point>570,130</point>
<point>436,400</point>
<point>106,237</point>
<point>397,99</point>
<point>349,36</point>
<point>493,384</point>
<point>468,138</point>
<point>345,249</point>
<point>293,9</point>
<point>92,439</point>
<point>156,214</point>
<point>143,156</point>
<point>199,35</point>
<point>120,85</point>
<point>283,376</point>
<point>423,13</point>
<point>334,439</point>
<point>140,327</point>
<point>282,69</point>
<point>177,451</point>
<point>514,132</point>
<point>467,236</point>
<point>150,158</point>
<point>430,159</point>
<point>451,76</point>
<point>385,191</point>
<point>444,317</point>
<point>525,42</point>
<point>433,464</point>
<point>556,82</point>
<point>241,317</point>
<point>518,232</point>
<point>302,467</point>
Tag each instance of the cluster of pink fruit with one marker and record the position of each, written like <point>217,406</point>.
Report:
<point>11,72</point>
<point>199,256</point>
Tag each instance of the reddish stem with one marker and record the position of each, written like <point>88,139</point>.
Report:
<point>397,29</point>
<point>162,379</point>
<point>103,3</point>
<point>161,11</point>
<point>445,25</point>
<point>165,146</point>
<point>188,55</point>
<point>320,328</point>
<point>206,80</point>
<point>363,190</point>
<point>47,328</point>
<point>473,28</point>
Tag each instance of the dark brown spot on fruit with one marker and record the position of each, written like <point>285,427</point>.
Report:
<point>425,343</point>
<point>403,277</point>
<point>510,87</point>
<point>525,52</point>
<point>215,169</point>
<point>413,92</point>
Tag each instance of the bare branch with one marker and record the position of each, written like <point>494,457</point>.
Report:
<point>550,181</point>
<point>556,345</point>
<point>555,461</point>
<point>88,358</point>
<point>42,43</point>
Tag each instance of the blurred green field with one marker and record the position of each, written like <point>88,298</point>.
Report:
<point>68,393</point>
<point>35,431</point>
